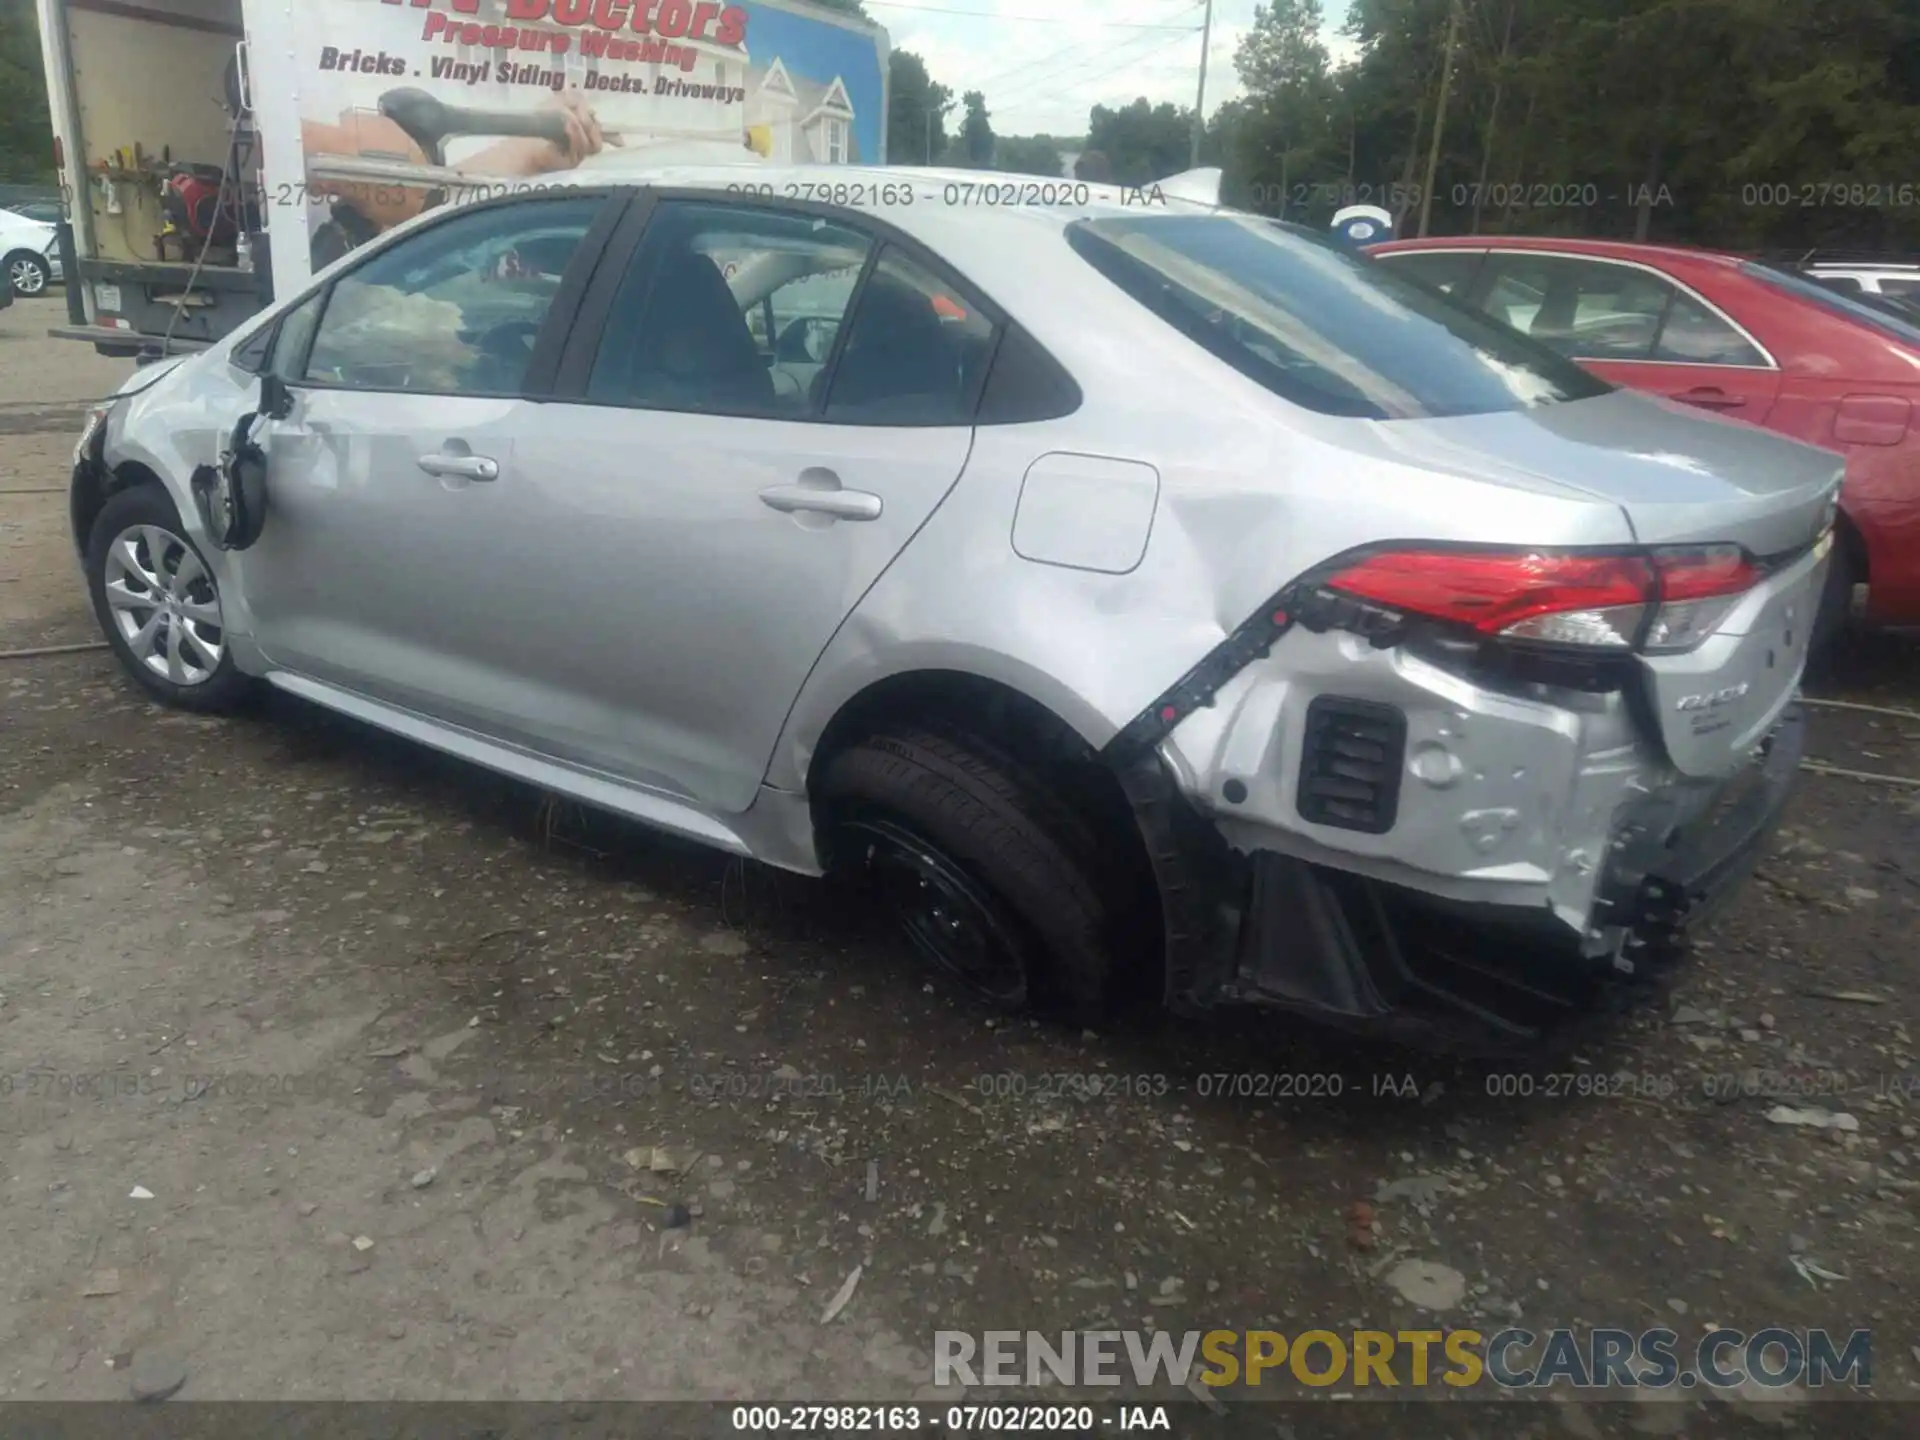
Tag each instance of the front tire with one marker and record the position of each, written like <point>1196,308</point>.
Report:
<point>28,273</point>
<point>992,878</point>
<point>158,604</point>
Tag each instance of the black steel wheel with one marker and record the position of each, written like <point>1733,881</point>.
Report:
<point>951,919</point>
<point>990,876</point>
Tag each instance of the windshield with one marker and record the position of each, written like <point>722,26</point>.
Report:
<point>1322,326</point>
<point>1885,321</point>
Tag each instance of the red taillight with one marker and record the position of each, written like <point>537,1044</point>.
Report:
<point>1698,587</point>
<point>1563,597</point>
<point>1495,590</point>
<point>1709,571</point>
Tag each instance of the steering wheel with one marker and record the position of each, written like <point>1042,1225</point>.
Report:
<point>504,350</point>
<point>795,345</point>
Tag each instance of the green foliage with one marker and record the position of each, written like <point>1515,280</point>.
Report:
<point>1746,124</point>
<point>1027,155</point>
<point>917,107</point>
<point>1142,142</point>
<point>976,131</point>
<point>26,134</point>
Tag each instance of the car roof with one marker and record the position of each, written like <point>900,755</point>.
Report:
<point>1600,249</point>
<point>988,197</point>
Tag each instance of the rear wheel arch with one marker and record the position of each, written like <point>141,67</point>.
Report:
<point>1065,787</point>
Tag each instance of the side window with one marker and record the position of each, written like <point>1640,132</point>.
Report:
<point>1694,335</point>
<point>807,313</point>
<point>916,351</point>
<point>251,355</point>
<point>1585,309</point>
<point>1900,286</point>
<point>1448,271</point>
<point>453,310</point>
<point>727,310</point>
<point>293,335</point>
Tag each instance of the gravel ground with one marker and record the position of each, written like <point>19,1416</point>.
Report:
<point>331,1069</point>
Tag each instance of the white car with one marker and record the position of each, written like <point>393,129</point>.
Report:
<point>1899,282</point>
<point>28,256</point>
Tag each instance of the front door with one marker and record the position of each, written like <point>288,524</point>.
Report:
<point>399,482</point>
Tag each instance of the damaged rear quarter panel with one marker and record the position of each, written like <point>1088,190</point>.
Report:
<point>1253,491</point>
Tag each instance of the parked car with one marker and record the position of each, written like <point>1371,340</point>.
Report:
<point>1738,338</point>
<point>1900,302</point>
<point>29,257</point>
<point>1900,282</point>
<point>1131,596</point>
<point>45,210</point>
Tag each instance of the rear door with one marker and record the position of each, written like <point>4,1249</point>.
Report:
<point>1633,326</point>
<point>722,500</point>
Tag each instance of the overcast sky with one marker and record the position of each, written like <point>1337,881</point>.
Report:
<point>1044,63</point>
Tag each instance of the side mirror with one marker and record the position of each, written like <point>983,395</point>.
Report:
<point>232,495</point>
<point>276,400</point>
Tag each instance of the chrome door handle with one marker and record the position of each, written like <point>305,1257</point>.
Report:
<point>840,504</point>
<point>463,467</point>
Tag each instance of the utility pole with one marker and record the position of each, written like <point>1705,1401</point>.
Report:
<point>1440,113</point>
<point>1200,100</point>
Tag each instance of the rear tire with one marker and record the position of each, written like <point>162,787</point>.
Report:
<point>159,605</point>
<point>992,876</point>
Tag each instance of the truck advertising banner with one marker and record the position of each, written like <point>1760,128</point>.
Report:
<point>402,105</point>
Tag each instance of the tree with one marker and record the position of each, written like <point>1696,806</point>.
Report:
<point>1142,142</point>
<point>1093,167</point>
<point>1027,155</point>
<point>26,131</point>
<point>1281,139</point>
<point>917,108</point>
<point>846,7</point>
<point>976,131</point>
<point>1743,124</point>
<point>1282,50</point>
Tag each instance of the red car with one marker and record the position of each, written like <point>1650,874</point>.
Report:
<point>1733,336</point>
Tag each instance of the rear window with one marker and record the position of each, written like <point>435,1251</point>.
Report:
<point>1321,326</point>
<point>1871,316</point>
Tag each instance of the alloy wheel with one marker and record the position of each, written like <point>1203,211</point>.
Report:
<point>165,604</point>
<point>950,918</point>
<point>28,276</point>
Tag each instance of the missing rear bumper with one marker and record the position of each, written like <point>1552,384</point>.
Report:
<point>1271,930</point>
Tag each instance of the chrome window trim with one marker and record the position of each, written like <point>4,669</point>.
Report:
<point>1654,270</point>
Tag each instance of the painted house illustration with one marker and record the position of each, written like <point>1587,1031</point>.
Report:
<point>792,120</point>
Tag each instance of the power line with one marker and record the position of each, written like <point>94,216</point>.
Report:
<point>1062,80</point>
<point>1027,19</point>
<point>1056,54</point>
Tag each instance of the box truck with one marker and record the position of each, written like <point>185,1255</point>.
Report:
<point>215,153</point>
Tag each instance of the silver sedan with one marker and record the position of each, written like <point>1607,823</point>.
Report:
<point>1139,596</point>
